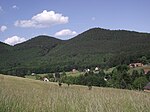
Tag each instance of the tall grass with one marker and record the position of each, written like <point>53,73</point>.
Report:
<point>27,95</point>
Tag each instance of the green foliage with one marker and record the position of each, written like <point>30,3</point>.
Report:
<point>91,78</point>
<point>120,77</point>
<point>63,74</point>
<point>143,60</point>
<point>134,75</point>
<point>50,75</point>
<point>37,77</point>
<point>140,82</point>
<point>95,47</point>
<point>68,79</point>
<point>89,85</point>
<point>58,75</point>
<point>148,76</point>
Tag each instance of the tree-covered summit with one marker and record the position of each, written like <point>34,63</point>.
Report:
<point>94,47</point>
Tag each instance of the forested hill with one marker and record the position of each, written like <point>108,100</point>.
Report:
<point>41,41</point>
<point>5,51</point>
<point>108,41</point>
<point>4,47</point>
<point>95,47</point>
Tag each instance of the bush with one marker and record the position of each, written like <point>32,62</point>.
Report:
<point>148,76</point>
<point>139,83</point>
<point>37,77</point>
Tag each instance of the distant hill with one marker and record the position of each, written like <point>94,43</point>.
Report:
<point>94,47</point>
<point>5,53</point>
<point>36,47</point>
<point>4,47</point>
<point>27,52</point>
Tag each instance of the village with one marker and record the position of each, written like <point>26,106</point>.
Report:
<point>58,76</point>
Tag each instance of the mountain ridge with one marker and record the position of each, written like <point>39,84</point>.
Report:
<point>94,47</point>
<point>131,31</point>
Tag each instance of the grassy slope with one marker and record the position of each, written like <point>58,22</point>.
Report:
<point>27,95</point>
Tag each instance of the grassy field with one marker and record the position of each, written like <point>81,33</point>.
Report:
<point>28,95</point>
<point>67,73</point>
<point>77,73</point>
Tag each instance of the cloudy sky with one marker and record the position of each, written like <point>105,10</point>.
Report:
<point>21,20</point>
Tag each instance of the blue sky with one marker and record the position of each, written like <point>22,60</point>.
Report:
<point>21,20</point>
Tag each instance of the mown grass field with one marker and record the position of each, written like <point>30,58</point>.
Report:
<point>77,73</point>
<point>67,73</point>
<point>28,95</point>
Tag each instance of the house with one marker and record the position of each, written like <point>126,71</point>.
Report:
<point>147,87</point>
<point>96,69</point>
<point>74,70</point>
<point>105,79</point>
<point>46,79</point>
<point>33,74</point>
<point>87,70</point>
<point>133,65</point>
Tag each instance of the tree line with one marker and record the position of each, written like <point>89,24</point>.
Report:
<point>121,77</point>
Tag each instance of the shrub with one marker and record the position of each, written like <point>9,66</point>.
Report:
<point>140,82</point>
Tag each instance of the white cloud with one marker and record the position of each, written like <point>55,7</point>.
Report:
<point>1,9</point>
<point>43,20</point>
<point>93,18</point>
<point>65,32</point>
<point>15,7</point>
<point>3,28</point>
<point>14,40</point>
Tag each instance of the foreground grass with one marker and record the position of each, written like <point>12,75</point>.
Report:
<point>27,95</point>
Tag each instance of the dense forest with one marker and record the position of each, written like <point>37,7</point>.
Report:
<point>94,47</point>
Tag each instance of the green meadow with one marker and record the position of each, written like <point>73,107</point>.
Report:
<point>29,95</point>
